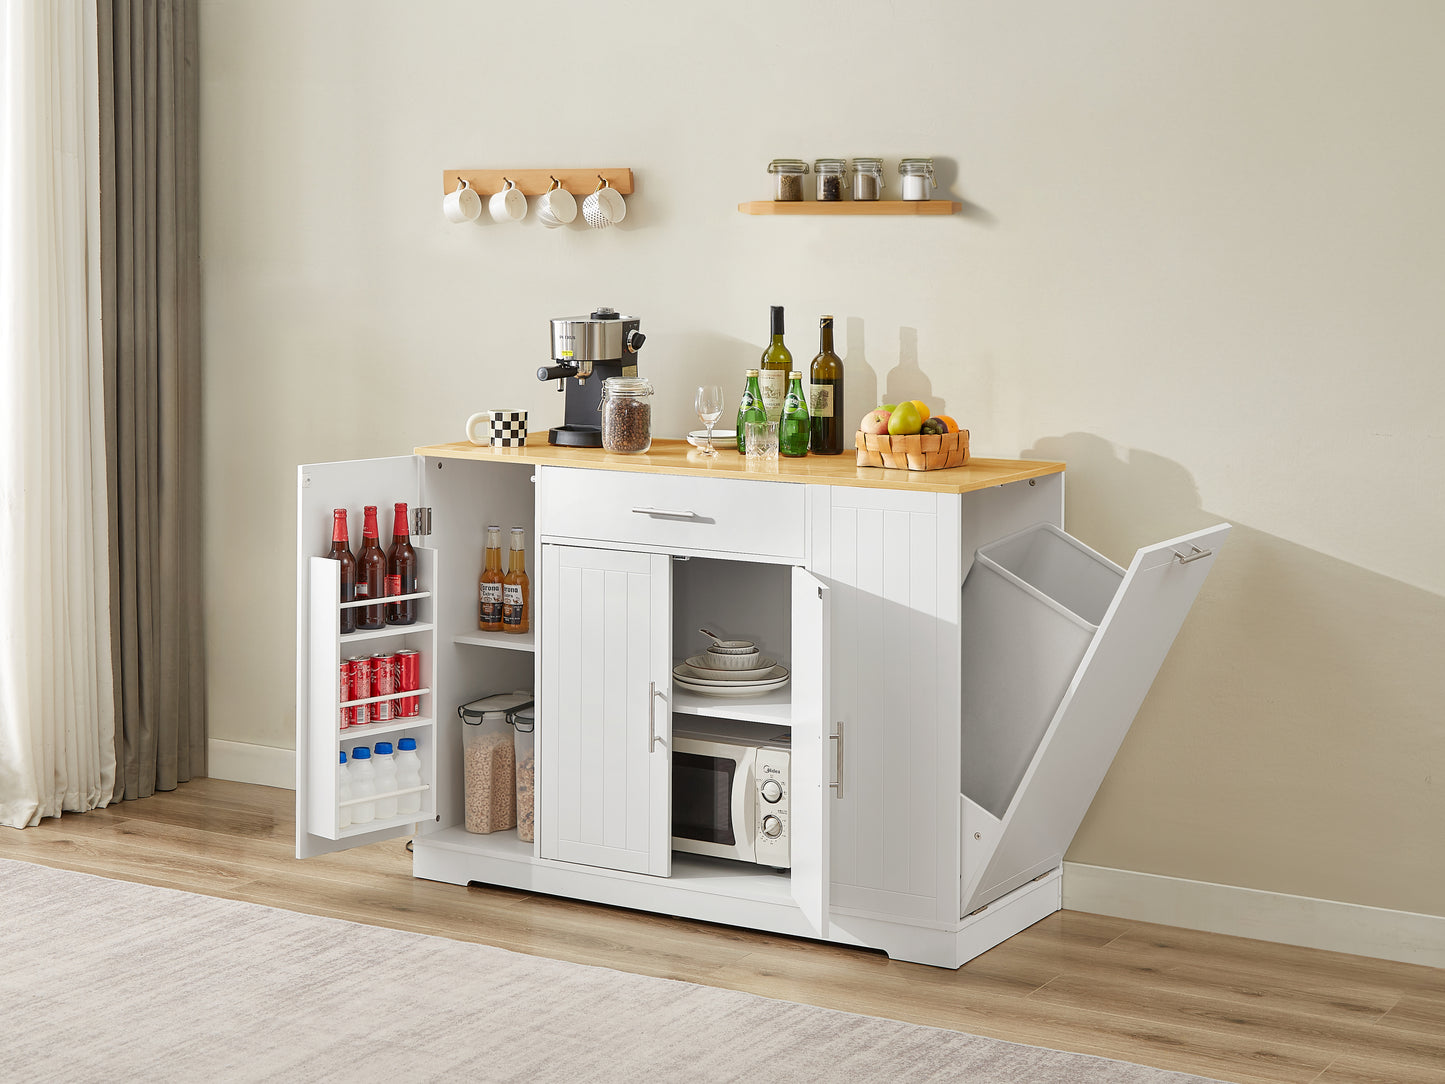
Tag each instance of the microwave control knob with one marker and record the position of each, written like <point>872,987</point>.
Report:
<point>772,826</point>
<point>772,790</point>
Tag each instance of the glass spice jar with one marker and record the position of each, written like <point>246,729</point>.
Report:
<point>918,178</point>
<point>867,178</point>
<point>832,175</point>
<point>787,176</point>
<point>626,414</point>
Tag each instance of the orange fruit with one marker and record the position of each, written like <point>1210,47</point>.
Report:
<point>946,420</point>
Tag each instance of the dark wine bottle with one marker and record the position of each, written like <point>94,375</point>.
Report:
<point>370,574</point>
<point>773,370</point>
<point>400,571</point>
<point>825,399</point>
<point>341,551</point>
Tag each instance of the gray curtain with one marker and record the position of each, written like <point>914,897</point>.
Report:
<point>150,296</point>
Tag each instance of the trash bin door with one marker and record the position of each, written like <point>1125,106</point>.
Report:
<point>1097,709</point>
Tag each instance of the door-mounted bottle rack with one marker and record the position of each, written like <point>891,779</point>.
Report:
<point>534,182</point>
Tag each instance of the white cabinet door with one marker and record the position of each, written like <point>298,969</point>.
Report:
<point>813,766</point>
<point>605,715</point>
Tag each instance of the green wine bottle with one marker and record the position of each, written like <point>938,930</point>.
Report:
<point>826,405</point>
<point>773,371</point>
<point>750,409</point>
<point>793,431</point>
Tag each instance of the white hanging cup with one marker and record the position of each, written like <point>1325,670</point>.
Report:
<point>463,205</point>
<point>556,206</point>
<point>604,207</point>
<point>508,205</point>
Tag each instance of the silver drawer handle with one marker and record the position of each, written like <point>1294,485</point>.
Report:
<point>668,512</point>
<point>1194,554</point>
<point>837,784</point>
<point>652,738</point>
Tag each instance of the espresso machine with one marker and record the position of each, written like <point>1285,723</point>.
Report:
<point>586,350</point>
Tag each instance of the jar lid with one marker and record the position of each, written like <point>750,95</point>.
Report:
<point>626,385</point>
<point>915,166</point>
<point>869,164</point>
<point>787,165</point>
<point>830,165</point>
<point>525,720</point>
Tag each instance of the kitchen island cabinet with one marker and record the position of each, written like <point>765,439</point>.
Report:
<point>853,576</point>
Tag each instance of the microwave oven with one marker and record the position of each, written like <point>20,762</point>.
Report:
<point>730,793</point>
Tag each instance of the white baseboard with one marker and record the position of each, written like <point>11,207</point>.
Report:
<point>242,762</point>
<point>1248,912</point>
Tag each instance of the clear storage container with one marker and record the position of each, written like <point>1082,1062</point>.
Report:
<point>489,762</point>
<point>917,177</point>
<point>627,414</point>
<point>832,178</point>
<point>867,179</point>
<point>787,174</point>
<point>524,733</point>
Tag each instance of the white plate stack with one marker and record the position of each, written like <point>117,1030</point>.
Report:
<point>730,668</point>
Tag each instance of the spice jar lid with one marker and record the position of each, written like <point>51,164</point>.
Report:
<point>913,167</point>
<point>830,165</point>
<point>787,165</point>
<point>626,385</point>
<point>868,165</point>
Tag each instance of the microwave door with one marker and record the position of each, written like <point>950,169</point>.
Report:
<point>745,805</point>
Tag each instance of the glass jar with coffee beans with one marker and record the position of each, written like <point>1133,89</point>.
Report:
<point>832,175</point>
<point>867,178</point>
<point>787,174</point>
<point>627,414</point>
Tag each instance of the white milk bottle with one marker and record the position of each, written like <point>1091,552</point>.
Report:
<point>383,763</point>
<point>343,793</point>
<point>363,785</point>
<point>408,774</point>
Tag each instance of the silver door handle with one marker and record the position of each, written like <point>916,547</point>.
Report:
<point>1194,554</point>
<point>670,513</point>
<point>652,695</point>
<point>837,784</point>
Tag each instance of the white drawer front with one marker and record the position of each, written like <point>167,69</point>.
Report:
<point>672,511</point>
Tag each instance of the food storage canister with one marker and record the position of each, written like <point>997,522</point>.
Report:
<point>787,176</point>
<point>918,179</point>
<point>832,177</point>
<point>489,762</point>
<point>524,732</point>
<point>627,414</point>
<point>867,178</point>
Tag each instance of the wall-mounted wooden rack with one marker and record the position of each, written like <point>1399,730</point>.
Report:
<point>845,207</point>
<point>533,182</point>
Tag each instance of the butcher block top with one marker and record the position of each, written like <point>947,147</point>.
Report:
<point>679,457</point>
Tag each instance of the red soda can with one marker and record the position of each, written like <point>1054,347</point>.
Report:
<point>347,714</point>
<point>361,689</point>
<point>408,677</point>
<point>383,683</point>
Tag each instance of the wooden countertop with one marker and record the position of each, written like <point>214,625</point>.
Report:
<point>679,457</point>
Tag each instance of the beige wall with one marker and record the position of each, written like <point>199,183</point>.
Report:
<point>1201,261</point>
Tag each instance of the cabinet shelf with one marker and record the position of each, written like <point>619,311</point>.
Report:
<point>376,730</point>
<point>382,825</point>
<point>390,630</point>
<point>847,207</point>
<point>382,601</point>
<point>773,708</point>
<point>508,641</point>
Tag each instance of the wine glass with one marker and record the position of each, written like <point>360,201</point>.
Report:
<point>709,406</point>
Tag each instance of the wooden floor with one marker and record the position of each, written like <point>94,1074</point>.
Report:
<point>1219,1006</point>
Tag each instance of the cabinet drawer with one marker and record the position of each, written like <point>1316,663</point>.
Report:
<point>672,511</point>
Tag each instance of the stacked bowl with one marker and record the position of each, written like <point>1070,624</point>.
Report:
<point>730,668</point>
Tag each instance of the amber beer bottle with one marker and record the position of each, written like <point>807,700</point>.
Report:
<point>400,571</point>
<point>341,551</point>
<point>489,587</point>
<point>516,588</point>
<point>370,574</point>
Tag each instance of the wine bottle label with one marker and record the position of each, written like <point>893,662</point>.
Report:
<point>774,383</point>
<point>511,604</point>
<point>820,404</point>
<point>393,585</point>
<point>363,589</point>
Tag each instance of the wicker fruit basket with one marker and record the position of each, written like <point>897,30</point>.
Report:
<point>925,451</point>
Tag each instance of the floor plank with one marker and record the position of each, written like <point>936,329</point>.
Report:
<point>1226,1007</point>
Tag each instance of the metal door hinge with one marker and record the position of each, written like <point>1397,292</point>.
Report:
<point>421,525</point>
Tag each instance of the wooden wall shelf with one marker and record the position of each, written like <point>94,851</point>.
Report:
<point>533,182</point>
<point>846,207</point>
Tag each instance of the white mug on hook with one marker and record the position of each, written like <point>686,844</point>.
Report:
<point>508,205</point>
<point>556,206</point>
<point>605,206</point>
<point>463,205</point>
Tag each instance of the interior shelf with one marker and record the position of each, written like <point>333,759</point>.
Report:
<point>390,630</point>
<point>774,708</point>
<point>849,207</point>
<point>375,730</point>
<point>509,641</point>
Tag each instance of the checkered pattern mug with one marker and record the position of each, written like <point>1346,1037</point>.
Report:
<point>503,428</point>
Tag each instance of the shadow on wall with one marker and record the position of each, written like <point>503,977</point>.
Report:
<point>906,380</point>
<point>1292,741</point>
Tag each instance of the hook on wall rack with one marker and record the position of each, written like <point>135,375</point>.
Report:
<point>534,182</point>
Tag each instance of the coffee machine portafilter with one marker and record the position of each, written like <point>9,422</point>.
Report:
<point>586,350</point>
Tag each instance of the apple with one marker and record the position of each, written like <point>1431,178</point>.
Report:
<point>874,423</point>
<point>905,421</point>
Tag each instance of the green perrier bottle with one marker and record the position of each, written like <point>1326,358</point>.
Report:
<point>750,409</point>
<point>793,430</point>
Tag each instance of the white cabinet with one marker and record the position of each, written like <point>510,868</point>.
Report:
<point>605,727</point>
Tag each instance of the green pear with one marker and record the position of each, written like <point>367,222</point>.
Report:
<point>905,421</point>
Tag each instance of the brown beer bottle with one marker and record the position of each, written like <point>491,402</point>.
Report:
<point>370,574</point>
<point>341,551</point>
<point>400,571</point>
<point>489,587</point>
<point>516,588</point>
